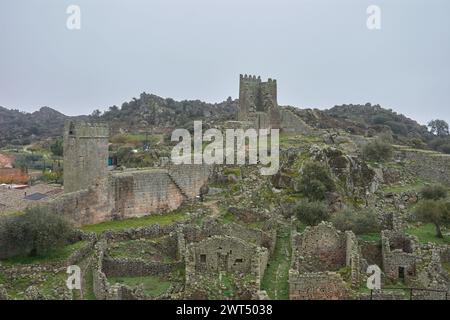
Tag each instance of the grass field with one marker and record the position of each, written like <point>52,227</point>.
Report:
<point>162,219</point>
<point>427,233</point>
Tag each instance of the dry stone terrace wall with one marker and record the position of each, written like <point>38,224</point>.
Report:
<point>105,266</point>
<point>137,268</point>
<point>428,166</point>
<point>103,290</point>
<point>151,231</point>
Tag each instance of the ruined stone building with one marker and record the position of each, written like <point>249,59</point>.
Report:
<point>317,254</point>
<point>94,194</point>
<point>225,254</point>
<point>399,255</point>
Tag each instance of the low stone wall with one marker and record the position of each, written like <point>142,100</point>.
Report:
<point>101,286</point>
<point>137,268</point>
<point>151,231</point>
<point>317,286</point>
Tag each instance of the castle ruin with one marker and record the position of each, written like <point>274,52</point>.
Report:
<point>95,194</point>
<point>258,102</point>
<point>259,109</point>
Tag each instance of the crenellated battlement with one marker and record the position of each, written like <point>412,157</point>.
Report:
<point>258,101</point>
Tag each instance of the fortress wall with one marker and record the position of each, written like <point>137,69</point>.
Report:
<point>190,178</point>
<point>139,193</point>
<point>82,207</point>
<point>291,123</point>
<point>131,194</point>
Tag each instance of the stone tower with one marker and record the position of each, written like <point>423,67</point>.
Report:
<point>258,102</point>
<point>85,154</point>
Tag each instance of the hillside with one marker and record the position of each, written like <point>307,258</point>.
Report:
<point>153,114</point>
<point>146,113</point>
<point>18,127</point>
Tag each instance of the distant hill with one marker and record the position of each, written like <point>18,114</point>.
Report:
<point>154,114</point>
<point>18,127</point>
<point>146,113</point>
<point>150,112</point>
<point>367,120</point>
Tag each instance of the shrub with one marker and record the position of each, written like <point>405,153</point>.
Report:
<point>445,148</point>
<point>312,213</point>
<point>360,222</point>
<point>377,150</point>
<point>33,233</point>
<point>434,192</point>
<point>315,181</point>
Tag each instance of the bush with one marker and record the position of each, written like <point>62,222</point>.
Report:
<point>445,148</point>
<point>315,181</point>
<point>360,222</point>
<point>33,233</point>
<point>377,150</point>
<point>57,147</point>
<point>434,192</point>
<point>436,212</point>
<point>312,213</point>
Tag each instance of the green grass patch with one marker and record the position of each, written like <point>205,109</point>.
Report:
<point>446,266</point>
<point>232,170</point>
<point>275,280</point>
<point>227,285</point>
<point>427,233</point>
<point>54,256</point>
<point>139,249</point>
<point>45,282</point>
<point>88,290</point>
<point>153,286</point>
<point>417,186</point>
<point>162,219</point>
<point>228,218</point>
<point>371,237</point>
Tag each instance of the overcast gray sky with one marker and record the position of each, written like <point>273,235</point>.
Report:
<point>320,51</point>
